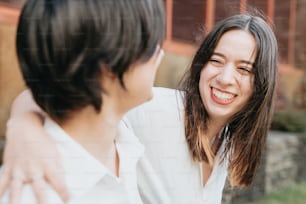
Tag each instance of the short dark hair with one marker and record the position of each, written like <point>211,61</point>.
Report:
<point>62,45</point>
<point>249,127</point>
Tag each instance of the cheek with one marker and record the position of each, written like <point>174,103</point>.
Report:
<point>205,74</point>
<point>148,75</point>
<point>149,70</point>
<point>202,81</point>
<point>247,86</point>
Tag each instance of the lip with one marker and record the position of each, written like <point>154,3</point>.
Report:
<point>218,100</point>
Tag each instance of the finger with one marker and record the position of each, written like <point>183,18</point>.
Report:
<point>40,190</point>
<point>15,191</point>
<point>4,181</point>
<point>56,178</point>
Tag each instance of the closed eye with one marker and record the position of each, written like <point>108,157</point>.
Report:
<point>216,62</point>
<point>245,70</point>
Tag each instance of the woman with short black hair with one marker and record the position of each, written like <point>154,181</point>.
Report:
<point>86,63</point>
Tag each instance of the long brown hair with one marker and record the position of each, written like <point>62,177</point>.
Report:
<point>247,130</point>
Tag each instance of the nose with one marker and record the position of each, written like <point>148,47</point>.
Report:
<point>226,76</point>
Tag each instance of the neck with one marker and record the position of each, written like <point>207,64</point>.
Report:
<point>214,128</point>
<point>96,132</point>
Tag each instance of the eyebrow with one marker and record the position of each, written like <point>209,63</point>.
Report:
<point>248,63</point>
<point>241,61</point>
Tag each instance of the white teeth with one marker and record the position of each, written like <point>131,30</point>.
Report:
<point>222,95</point>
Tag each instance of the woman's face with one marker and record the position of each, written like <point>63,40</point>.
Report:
<point>226,81</point>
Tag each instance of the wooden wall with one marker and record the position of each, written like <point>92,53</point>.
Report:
<point>11,82</point>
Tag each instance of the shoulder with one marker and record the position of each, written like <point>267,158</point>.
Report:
<point>166,93</point>
<point>165,102</point>
<point>165,98</point>
<point>156,116</point>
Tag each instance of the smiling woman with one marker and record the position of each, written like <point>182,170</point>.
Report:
<point>231,83</point>
<point>226,81</point>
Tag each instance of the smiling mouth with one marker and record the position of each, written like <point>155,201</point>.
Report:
<point>221,97</point>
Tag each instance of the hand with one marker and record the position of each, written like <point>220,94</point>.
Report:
<point>31,157</point>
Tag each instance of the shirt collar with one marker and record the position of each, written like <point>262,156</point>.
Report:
<point>129,147</point>
<point>82,170</point>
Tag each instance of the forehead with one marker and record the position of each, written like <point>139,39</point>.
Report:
<point>237,44</point>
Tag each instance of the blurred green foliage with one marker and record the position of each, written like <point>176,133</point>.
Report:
<point>289,120</point>
<point>295,194</point>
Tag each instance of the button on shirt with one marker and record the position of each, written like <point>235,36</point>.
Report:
<point>88,180</point>
<point>168,171</point>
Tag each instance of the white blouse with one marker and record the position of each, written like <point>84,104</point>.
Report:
<point>87,179</point>
<point>168,173</point>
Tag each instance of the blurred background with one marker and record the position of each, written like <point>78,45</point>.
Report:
<point>282,174</point>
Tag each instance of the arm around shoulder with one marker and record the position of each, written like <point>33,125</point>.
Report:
<point>30,154</point>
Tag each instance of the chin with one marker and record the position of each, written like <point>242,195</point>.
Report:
<point>150,96</point>
<point>147,97</point>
